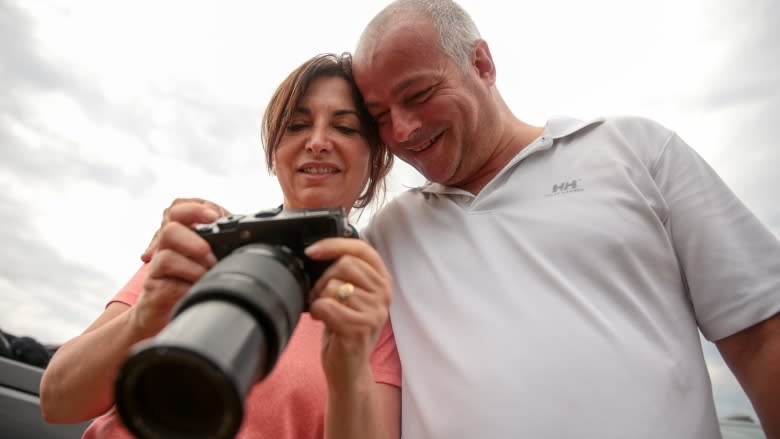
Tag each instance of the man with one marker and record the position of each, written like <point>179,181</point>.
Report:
<point>550,281</point>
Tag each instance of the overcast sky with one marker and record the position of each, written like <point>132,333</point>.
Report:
<point>110,109</point>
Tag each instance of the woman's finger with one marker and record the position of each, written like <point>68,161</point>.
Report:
<point>333,248</point>
<point>181,239</point>
<point>188,211</point>
<point>168,264</point>
<point>353,269</point>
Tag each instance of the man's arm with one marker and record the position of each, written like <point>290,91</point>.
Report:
<point>753,354</point>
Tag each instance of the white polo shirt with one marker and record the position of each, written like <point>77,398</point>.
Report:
<point>563,300</point>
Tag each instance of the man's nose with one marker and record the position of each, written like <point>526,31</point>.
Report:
<point>405,122</point>
<point>319,141</point>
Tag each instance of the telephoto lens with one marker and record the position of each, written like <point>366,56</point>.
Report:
<point>190,380</point>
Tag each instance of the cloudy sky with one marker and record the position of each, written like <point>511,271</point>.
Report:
<point>110,109</point>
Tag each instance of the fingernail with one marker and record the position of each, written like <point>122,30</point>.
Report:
<point>146,256</point>
<point>210,215</point>
<point>312,249</point>
<point>211,259</point>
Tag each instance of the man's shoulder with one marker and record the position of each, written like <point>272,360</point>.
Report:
<point>634,124</point>
<point>641,135</point>
<point>627,127</point>
<point>567,124</point>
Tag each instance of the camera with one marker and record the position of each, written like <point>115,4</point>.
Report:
<point>230,328</point>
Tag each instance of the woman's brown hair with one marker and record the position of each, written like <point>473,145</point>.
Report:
<point>282,105</point>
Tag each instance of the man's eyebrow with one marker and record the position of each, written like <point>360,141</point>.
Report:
<point>403,85</point>
<point>399,88</point>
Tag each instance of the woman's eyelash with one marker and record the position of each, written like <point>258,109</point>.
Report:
<point>346,129</point>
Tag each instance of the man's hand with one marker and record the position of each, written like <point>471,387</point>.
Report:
<point>202,211</point>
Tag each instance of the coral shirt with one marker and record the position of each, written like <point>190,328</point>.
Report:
<point>290,401</point>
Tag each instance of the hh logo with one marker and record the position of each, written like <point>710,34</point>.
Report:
<point>566,187</point>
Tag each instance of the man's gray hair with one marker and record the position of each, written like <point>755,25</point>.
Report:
<point>458,35</point>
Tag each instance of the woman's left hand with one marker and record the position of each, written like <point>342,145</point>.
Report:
<point>353,323</point>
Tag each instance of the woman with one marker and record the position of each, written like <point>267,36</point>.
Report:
<point>339,376</point>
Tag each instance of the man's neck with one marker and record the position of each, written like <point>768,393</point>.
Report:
<point>516,135</point>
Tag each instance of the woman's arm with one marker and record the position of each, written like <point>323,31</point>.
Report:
<point>375,412</point>
<point>78,384</point>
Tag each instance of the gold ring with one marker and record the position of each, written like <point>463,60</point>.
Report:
<point>345,290</point>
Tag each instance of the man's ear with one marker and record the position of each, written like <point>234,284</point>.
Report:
<point>483,62</point>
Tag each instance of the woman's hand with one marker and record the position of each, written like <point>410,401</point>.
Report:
<point>181,258</point>
<point>352,323</point>
<point>203,211</point>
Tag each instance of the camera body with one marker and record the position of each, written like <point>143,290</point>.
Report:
<point>230,328</point>
<point>289,230</point>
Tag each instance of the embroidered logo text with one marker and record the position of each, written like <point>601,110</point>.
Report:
<point>566,187</point>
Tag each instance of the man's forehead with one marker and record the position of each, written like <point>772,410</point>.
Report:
<point>399,37</point>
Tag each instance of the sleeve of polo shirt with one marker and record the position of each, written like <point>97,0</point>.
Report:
<point>129,293</point>
<point>730,260</point>
<point>385,362</point>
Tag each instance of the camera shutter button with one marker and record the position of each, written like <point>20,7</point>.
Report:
<point>268,213</point>
<point>229,222</point>
<point>206,228</point>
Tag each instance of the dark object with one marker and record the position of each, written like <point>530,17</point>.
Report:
<point>5,345</point>
<point>22,361</point>
<point>25,349</point>
<point>28,350</point>
<point>229,330</point>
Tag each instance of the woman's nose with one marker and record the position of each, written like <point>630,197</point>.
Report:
<point>319,141</point>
